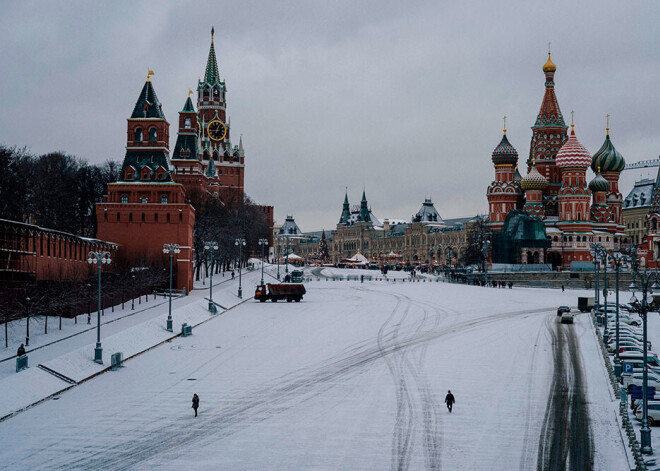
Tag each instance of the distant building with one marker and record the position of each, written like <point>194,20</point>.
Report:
<point>425,240</point>
<point>636,208</point>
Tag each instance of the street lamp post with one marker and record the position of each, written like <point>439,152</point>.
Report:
<point>279,247</point>
<point>642,308</point>
<point>596,255</point>
<point>619,261</point>
<point>286,262</point>
<point>211,247</point>
<point>486,244</point>
<point>603,257</point>
<point>98,258</point>
<point>171,249</point>
<point>263,243</point>
<point>133,297</point>
<point>240,242</point>
<point>27,309</point>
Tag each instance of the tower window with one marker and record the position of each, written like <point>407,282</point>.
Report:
<point>152,135</point>
<point>142,217</point>
<point>138,135</point>
<point>168,217</point>
<point>124,199</point>
<point>130,217</point>
<point>163,199</point>
<point>187,123</point>
<point>144,200</point>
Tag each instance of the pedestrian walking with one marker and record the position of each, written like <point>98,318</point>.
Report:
<point>449,400</point>
<point>562,288</point>
<point>21,351</point>
<point>195,403</point>
<point>233,275</point>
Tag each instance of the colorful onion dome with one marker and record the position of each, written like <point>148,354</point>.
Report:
<point>505,153</point>
<point>534,180</point>
<point>609,159</point>
<point>549,66</point>
<point>573,154</point>
<point>516,176</point>
<point>599,183</point>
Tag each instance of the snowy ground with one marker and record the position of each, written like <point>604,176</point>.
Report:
<point>353,377</point>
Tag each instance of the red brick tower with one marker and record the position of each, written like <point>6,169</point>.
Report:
<point>504,192</point>
<point>146,208</point>
<point>548,135</point>
<point>214,131</point>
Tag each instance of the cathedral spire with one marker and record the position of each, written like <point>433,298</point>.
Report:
<point>346,211</point>
<point>211,75</point>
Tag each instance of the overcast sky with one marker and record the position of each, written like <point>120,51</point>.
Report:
<point>404,99</point>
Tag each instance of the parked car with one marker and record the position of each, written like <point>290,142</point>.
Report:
<point>626,342</point>
<point>563,309</point>
<point>653,412</point>
<point>638,379</point>
<point>566,318</point>
<point>623,318</point>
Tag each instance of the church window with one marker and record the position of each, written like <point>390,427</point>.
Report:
<point>187,123</point>
<point>138,134</point>
<point>130,217</point>
<point>124,199</point>
<point>143,217</point>
<point>168,217</point>
<point>144,200</point>
<point>153,136</point>
<point>180,216</point>
<point>156,217</point>
<point>117,217</point>
<point>163,199</point>
<point>129,175</point>
<point>654,224</point>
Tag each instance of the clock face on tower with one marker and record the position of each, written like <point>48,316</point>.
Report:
<point>216,130</point>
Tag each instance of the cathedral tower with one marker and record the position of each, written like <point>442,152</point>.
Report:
<point>611,164</point>
<point>548,135</point>
<point>504,192</point>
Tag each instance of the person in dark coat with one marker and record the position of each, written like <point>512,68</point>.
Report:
<point>21,351</point>
<point>449,400</point>
<point>232,275</point>
<point>195,403</point>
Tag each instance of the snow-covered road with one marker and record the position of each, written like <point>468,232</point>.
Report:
<point>353,377</point>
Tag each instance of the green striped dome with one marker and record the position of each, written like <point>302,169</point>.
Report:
<point>609,159</point>
<point>599,184</point>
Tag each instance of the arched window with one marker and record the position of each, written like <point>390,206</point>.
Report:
<point>168,217</point>
<point>130,217</point>
<point>163,199</point>
<point>180,216</point>
<point>654,224</point>
<point>142,217</point>
<point>152,135</point>
<point>138,135</point>
<point>117,217</point>
<point>144,200</point>
<point>124,199</point>
<point>156,217</point>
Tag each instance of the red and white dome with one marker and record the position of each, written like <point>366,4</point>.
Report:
<point>573,154</point>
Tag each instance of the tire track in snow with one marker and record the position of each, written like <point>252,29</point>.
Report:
<point>566,439</point>
<point>270,399</point>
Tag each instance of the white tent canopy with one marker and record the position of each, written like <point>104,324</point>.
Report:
<point>293,256</point>
<point>358,258</point>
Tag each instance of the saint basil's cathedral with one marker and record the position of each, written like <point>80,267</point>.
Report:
<point>552,215</point>
<point>148,206</point>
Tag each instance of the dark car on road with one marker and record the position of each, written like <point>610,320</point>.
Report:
<point>563,309</point>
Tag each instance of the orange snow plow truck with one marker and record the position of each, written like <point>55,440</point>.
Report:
<point>275,292</point>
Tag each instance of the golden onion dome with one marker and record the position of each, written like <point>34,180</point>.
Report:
<point>549,65</point>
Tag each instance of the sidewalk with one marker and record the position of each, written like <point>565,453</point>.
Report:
<point>71,355</point>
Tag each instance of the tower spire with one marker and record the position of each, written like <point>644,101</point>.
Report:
<point>607,128</point>
<point>504,130</point>
<point>211,75</point>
